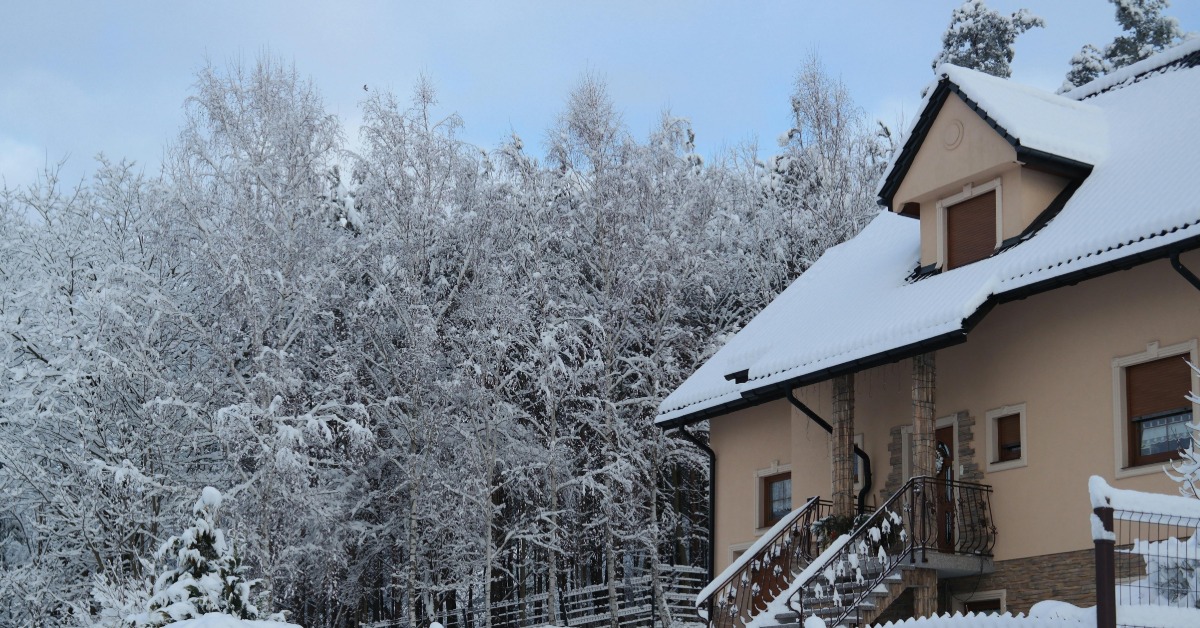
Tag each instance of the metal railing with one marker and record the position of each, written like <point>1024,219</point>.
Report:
<point>926,515</point>
<point>746,590</point>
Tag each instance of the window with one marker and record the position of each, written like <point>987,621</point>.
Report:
<point>776,497</point>
<point>1158,409</point>
<point>1006,442</point>
<point>969,224</point>
<point>1008,428</point>
<point>1151,414</point>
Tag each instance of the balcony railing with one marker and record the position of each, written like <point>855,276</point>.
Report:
<point>766,569</point>
<point>928,515</point>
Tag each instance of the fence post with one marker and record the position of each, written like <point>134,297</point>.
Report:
<point>1106,571</point>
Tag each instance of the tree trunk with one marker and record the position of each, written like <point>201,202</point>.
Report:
<point>610,557</point>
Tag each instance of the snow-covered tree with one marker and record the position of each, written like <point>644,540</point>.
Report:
<point>983,39</point>
<point>205,574</point>
<point>1186,470</point>
<point>1086,65</point>
<point>1146,32</point>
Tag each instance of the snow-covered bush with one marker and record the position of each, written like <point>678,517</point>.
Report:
<point>1172,571</point>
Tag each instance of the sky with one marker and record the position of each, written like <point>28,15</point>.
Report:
<point>81,78</point>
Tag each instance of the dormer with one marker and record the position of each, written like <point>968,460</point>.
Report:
<point>987,163</point>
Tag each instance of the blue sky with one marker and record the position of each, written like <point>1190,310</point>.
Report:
<point>77,78</point>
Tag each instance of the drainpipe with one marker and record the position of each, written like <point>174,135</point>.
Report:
<point>1183,271</point>
<point>862,455</point>
<point>712,502</point>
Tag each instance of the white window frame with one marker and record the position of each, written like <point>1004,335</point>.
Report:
<point>774,469</point>
<point>992,439</point>
<point>969,191</point>
<point>1120,422</point>
<point>959,602</point>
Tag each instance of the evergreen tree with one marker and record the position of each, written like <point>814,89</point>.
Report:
<point>208,576</point>
<point>982,39</point>
<point>1086,65</point>
<point>1147,31</point>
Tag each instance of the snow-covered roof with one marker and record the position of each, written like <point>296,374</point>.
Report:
<point>857,306</point>
<point>1035,118</point>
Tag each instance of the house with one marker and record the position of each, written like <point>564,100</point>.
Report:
<point>1019,318</point>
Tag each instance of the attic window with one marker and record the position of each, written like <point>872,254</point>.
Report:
<point>969,225</point>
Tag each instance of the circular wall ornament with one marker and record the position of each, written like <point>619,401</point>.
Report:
<point>953,134</point>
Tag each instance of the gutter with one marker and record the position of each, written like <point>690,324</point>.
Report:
<point>778,390</point>
<point>862,455</point>
<point>1183,270</point>
<point>712,500</point>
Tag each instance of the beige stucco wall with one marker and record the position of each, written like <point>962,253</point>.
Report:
<point>1052,352</point>
<point>753,442</point>
<point>940,169</point>
<point>745,442</point>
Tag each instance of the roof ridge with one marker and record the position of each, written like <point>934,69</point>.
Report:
<point>1185,54</point>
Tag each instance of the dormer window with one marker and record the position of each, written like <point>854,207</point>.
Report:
<point>969,225</point>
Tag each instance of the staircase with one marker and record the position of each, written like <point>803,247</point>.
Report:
<point>759,575</point>
<point>927,524</point>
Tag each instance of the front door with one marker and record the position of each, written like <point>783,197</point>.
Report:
<point>944,464</point>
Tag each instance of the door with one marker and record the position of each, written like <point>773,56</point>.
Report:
<point>944,465</point>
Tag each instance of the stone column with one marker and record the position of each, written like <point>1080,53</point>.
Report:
<point>923,386</point>
<point>924,588</point>
<point>843,445</point>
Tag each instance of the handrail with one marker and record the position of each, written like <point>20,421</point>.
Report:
<point>907,525</point>
<point>765,570</point>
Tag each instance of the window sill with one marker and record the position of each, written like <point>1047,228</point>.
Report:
<point>995,467</point>
<point>1146,469</point>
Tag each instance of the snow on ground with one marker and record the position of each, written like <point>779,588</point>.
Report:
<point>972,620</point>
<point>221,620</point>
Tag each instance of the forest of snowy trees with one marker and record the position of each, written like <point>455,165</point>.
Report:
<point>423,373</point>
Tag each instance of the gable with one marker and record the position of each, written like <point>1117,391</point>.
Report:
<point>958,147</point>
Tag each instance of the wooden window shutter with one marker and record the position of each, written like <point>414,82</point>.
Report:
<point>1008,438</point>
<point>970,230</point>
<point>1158,386</point>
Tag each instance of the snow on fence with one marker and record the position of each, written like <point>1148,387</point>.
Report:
<point>1147,555</point>
<point>588,607</point>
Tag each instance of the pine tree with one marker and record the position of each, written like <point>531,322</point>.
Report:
<point>982,39</point>
<point>1086,66</point>
<point>208,576</point>
<point>1147,31</point>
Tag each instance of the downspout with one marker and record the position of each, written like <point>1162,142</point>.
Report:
<point>712,501</point>
<point>862,455</point>
<point>1183,271</point>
